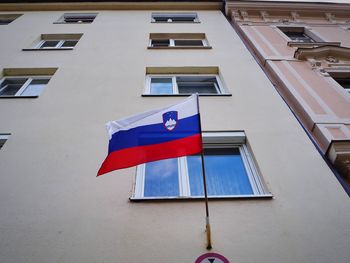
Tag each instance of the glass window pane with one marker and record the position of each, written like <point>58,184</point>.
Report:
<point>50,44</point>
<point>189,42</point>
<point>161,178</point>
<point>10,86</point>
<point>161,86</point>
<point>69,43</point>
<point>299,37</point>
<point>344,82</point>
<point>160,42</point>
<point>225,172</point>
<point>35,87</point>
<point>193,84</point>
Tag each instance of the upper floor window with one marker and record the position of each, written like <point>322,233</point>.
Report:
<point>344,82</point>
<point>176,40</point>
<point>6,19</point>
<point>297,34</point>
<point>77,18</point>
<point>56,41</point>
<point>175,17</point>
<point>3,139</point>
<point>183,84</point>
<point>45,44</point>
<point>229,167</point>
<point>22,85</point>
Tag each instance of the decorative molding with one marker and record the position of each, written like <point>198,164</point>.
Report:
<point>244,15</point>
<point>322,52</point>
<point>330,17</point>
<point>295,16</point>
<point>265,16</point>
<point>235,15</point>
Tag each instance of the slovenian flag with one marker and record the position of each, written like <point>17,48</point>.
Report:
<point>154,135</point>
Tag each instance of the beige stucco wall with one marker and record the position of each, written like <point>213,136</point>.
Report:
<point>54,209</point>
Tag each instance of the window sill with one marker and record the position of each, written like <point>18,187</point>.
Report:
<point>182,47</point>
<point>73,23</point>
<point>186,95</point>
<point>212,198</point>
<point>18,97</point>
<point>312,44</point>
<point>46,49</point>
<point>175,22</point>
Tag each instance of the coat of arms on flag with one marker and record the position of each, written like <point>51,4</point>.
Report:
<point>170,120</point>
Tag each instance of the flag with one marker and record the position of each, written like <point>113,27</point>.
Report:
<point>154,135</point>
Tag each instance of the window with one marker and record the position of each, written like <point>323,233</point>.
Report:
<point>6,19</point>
<point>55,42</point>
<point>342,77</point>
<point>183,84</point>
<point>297,34</point>
<point>344,82</point>
<point>21,86</point>
<point>178,40</point>
<point>175,17</point>
<point>3,139</point>
<point>230,172</point>
<point>77,18</point>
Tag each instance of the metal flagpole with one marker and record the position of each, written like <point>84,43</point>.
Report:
<point>207,223</point>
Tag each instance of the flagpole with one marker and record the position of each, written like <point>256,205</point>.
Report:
<point>207,222</point>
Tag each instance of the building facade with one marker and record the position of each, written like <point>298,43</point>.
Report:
<point>68,68</point>
<point>303,48</point>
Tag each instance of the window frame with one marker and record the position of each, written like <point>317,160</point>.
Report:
<point>317,40</point>
<point>217,140</point>
<point>62,19</point>
<point>3,138</point>
<point>179,14</point>
<point>173,45</point>
<point>220,88</point>
<point>29,78</point>
<point>59,45</point>
<point>9,18</point>
<point>340,74</point>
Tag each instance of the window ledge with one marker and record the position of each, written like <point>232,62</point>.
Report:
<point>175,22</point>
<point>212,198</point>
<point>47,49</point>
<point>312,44</point>
<point>83,23</point>
<point>186,95</point>
<point>182,47</point>
<point>18,97</point>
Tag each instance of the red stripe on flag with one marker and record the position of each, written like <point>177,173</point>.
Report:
<point>142,154</point>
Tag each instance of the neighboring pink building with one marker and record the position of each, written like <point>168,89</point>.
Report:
<point>305,50</point>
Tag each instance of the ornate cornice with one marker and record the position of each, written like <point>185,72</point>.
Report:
<point>322,52</point>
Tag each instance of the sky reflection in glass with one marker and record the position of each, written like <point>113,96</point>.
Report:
<point>161,178</point>
<point>161,86</point>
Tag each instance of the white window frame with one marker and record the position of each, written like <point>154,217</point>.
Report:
<point>62,19</point>
<point>169,20</point>
<point>25,85</point>
<point>210,140</point>
<point>149,77</point>
<point>58,45</point>
<point>172,42</point>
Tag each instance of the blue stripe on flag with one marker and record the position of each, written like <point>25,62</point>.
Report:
<point>153,134</point>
